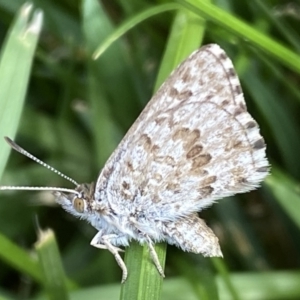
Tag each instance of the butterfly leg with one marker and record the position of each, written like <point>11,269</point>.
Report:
<point>154,257</point>
<point>106,244</point>
<point>95,242</point>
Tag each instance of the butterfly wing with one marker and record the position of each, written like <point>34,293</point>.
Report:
<point>193,143</point>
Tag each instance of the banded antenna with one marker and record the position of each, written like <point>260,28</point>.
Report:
<point>29,188</point>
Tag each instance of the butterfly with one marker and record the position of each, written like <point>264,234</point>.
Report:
<point>193,144</point>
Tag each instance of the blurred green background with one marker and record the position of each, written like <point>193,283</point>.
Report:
<point>76,110</point>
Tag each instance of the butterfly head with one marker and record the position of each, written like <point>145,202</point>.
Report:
<point>78,203</point>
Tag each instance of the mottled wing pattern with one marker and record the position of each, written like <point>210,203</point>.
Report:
<point>193,235</point>
<point>194,143</point>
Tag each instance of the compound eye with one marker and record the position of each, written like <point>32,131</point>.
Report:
<point>79,205</point>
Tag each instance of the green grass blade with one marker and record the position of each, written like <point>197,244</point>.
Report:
<point>286,191</point>
<point>144,281</point>
<point>186,35</point>
<point>19,259</point>
<point>245,31</point>
<point>224,275</point>
<point>51,265</point>
<point>23,261</point>
<point>132,22</point>
<point>95,27</point>
<point>15,65</point>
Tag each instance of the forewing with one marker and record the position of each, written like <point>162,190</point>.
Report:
<point>194,143</point>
